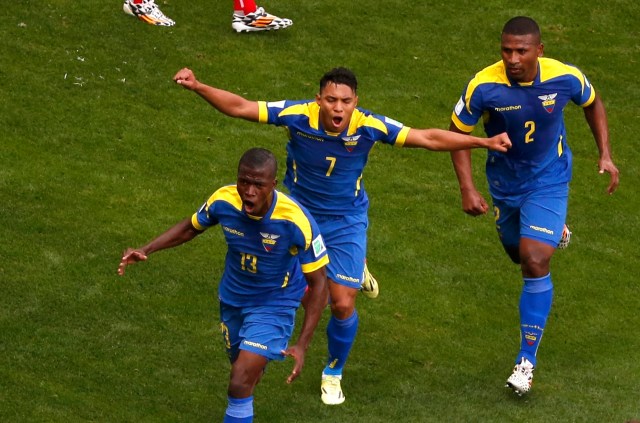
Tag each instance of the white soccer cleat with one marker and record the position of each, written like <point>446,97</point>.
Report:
<point>259,20</point>
<point>521,378</point>
<point>566,238</point>
<point>369,285</point>
<point>331,390</point>
<point>147,11</point>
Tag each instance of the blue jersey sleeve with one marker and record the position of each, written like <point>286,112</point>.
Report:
<point>306,240</point>
<point>314,256</point>
<point>469,108</point>
<point>583,92</point>
<point>206,216</point>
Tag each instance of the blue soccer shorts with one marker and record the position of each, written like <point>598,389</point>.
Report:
<point>539,215</point>
<point>346,240</point>
<point>263,330</point>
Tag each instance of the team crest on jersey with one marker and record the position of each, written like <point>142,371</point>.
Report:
<point>548,101</point>
<point>269,240</point>
<point>350,142</point>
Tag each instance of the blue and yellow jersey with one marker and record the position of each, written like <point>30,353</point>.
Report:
<point>533,116</point>
<point>324,169</point>
<point>266,256</point>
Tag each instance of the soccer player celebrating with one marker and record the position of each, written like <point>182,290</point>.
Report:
<point>525,94</point>
<point>329,143</point>
<point>247,16</point>
<point>272,242</point>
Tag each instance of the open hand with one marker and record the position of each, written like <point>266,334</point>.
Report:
<point>130,256</point>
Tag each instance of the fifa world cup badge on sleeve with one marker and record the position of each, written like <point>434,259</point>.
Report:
<point>318,246</point>
<point>459,106</point>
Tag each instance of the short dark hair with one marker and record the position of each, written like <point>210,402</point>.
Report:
<point>521,25</point>
<point>259,158</point>
<point>339,75</point>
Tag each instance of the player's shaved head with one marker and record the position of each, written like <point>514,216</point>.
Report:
<point>522,25</point>
<point>259,158</point>
<point>339,76</point>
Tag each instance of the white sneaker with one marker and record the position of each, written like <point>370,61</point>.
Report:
<point>147,11</point>
<point>521,378</point>
<point>331,390</point>
<point>259,20</point>
<point>566,238</point>
<point>369,286</point>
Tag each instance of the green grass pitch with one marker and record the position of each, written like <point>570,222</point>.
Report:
<point>101,151</point>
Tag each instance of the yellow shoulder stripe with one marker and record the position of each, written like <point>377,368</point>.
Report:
<point>359,120</point>
<point>228,194</point>
<point>311,110</point>
<point>286,209</point>
<point>551,68</point>
<point>491,74</point>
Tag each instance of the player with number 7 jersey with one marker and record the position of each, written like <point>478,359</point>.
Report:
<point>324,168</point>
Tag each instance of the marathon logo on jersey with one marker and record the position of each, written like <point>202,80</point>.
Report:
<point>255,345</point>
<point>350,142</point>
<point>548,101</point>
<point>269,240</point>
<point>348,278</point>
<point>540,229</point>
<point>311,137</point>
<point>232,231</point>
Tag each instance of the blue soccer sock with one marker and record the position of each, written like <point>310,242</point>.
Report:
<point>535,305</point>
<point>239,410</point>
<point>340,336</point>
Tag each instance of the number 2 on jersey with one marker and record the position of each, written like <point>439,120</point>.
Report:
<point>531,125</point>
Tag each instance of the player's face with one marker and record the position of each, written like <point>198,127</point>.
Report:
<point>337,103</point>
<point>520,56</point>
<point>255,187</point>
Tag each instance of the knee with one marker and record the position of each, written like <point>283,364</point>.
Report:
<point>241,383</point>
<point>343,307</point>
<point>535,264</point>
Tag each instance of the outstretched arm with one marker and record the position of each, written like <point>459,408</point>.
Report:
<point>224,101</point>
<point>318,297</point>
<point>473,203</point>
<point>441,140</point>
<point>597,118</point>
<point>178,234</point>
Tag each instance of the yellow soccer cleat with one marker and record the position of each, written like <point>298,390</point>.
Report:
<point>331,390</point>
<point>369,285</point>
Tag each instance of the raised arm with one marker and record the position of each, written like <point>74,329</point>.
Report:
<point>440,140</point>
<point>473,203</point>
<point>224,101</point>
<point>597,118</point>
<point>317,301</point>
<point>176,235</point>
